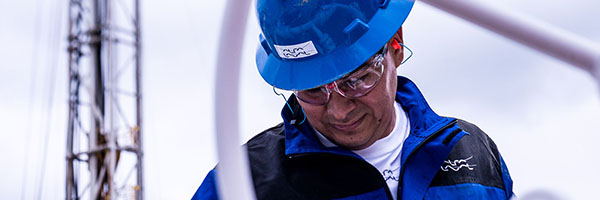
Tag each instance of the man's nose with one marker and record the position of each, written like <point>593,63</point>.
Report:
<point>339,106</point>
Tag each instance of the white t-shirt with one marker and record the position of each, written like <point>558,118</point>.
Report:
<point>385,153</point>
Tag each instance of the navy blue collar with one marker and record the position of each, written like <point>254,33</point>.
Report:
<point>301,139</point>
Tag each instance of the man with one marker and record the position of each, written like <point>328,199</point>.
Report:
<point>353,129</point>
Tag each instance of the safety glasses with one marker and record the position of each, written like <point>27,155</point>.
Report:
<point>356,84</point>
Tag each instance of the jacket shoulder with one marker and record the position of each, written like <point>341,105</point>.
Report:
<point>270,135</point>
<point>208,188</point>
<point>474,164</point>
<point>266,153</point>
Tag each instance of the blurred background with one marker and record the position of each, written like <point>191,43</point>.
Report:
<point>542,113</point>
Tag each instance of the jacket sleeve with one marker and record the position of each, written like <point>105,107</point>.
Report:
<point>474,169</point>
<point>208,188</point>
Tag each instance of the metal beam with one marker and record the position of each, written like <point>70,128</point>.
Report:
<point>542,37</point>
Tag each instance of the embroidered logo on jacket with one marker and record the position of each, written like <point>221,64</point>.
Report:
<point>456,165</point>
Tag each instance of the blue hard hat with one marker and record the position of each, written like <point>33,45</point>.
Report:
<point>308,43</point>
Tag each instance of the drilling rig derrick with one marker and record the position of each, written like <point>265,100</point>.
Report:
<point>104,134</point>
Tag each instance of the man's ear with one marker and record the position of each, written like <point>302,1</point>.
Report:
<point>396,51</point>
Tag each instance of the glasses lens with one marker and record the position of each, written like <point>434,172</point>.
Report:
<point>361,82</point>
<point>313,96</point>
<point>357,84</point>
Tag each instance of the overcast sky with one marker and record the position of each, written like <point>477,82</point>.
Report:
<point>542,113</point>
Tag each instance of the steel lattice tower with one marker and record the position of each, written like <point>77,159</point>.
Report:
<point>104,138</point>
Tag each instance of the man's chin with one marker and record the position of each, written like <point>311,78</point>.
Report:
<point>353,142</point>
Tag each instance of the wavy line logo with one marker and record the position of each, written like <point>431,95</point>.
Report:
<point>296,51</point>
<point>389,175</point>
<point>456,165</point>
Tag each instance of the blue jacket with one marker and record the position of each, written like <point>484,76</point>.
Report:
<point>442,158</point>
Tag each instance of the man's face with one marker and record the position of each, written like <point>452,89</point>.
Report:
<point>357,123</point>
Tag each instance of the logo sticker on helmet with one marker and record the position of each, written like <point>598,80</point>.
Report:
<point>296,51</point>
